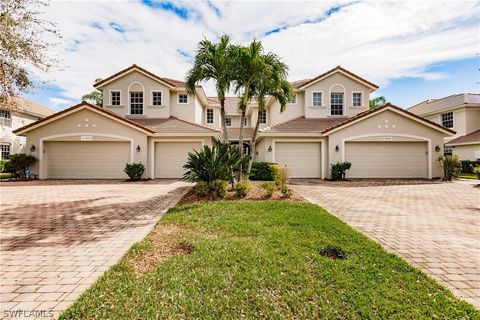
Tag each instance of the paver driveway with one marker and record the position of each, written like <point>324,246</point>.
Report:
<point>58,237</point>
<point>433,225</point>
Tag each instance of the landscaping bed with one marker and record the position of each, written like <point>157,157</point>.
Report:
<point>262,259</point>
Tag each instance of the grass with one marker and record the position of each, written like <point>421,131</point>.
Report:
<point>262,260</point>
<point>467,176</point>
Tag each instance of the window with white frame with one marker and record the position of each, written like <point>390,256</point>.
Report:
<point>293,99</point>
<point>115,98</point>
<point>182,98</point>
<point>228,122</point>
<point>336,103</point>
<point>156,98</point>
<point>317,99</point>
<point>447,119</point>
<point>5,118</point>
<point>447,151</point>
<point>357,99</point>
<point>136,102</point>
<point>209,116</point>
<point>4,150</point>
<point>263,117</point>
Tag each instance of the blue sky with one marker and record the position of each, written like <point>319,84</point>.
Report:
<point>412,50</point>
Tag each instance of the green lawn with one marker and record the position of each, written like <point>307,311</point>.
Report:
<point>467,176</point>
<point>261,260</point>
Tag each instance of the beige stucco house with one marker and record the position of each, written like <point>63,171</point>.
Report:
<point>461,113</point>
<point>20,113</point>
<point>151,119</point>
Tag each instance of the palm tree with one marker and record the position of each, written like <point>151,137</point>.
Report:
<point>213,61</point>
<point>377,102</point>
<point>272,83</point>
<point>95,97</point>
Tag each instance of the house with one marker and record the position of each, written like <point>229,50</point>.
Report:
<point>461,113</point>
<point>151,119</point>
<point>21,113</point>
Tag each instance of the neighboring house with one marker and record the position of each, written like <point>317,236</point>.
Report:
<point>461,113</point>
<point>151,119</point>
<point>20,114</point>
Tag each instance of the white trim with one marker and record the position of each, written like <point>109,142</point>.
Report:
<point>41,163</point>
<point>152,148</point>
<point>344,106</point>
<point>448,144</point>
<point>231,121</point>
<point>369,135</point>
<point>343,73</point>
<point>361,100</point>
<point>213,116</point>
<point>266,116</point>
<point>453,119</point>
<point>110,97</point>
<point>178,98</point>
<point>129,111</point>
<point>131,70</point>
<point>151,98</point>
<point>322,105</point>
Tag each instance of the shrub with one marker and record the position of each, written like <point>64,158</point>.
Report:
<point>216,162</point>
<point>242,188</point>
<point>219,188</point>
<point>134,170</point>
<point>202,189</point>
<point>268,188</point>
<point>339,170</point>
<point>451,167</point>
<point>19,162</point>
<point>286,191</point>
<point>263,171</point>
<point>3,165</point>
<point>476,170</point>
<point>469,165</point>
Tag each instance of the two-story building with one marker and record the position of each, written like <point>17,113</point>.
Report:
<point>461,113</point>
<point>151,119</point>
<point>21,113</point>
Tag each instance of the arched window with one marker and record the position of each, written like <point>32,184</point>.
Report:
<point>136,93</point>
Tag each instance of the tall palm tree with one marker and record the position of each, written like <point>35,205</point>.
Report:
<point>213,61</point>
<point>377,102</point>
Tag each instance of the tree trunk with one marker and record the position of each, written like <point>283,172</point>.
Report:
<point>253,144</point>
<point>240,138</point>
<point>222,119</point>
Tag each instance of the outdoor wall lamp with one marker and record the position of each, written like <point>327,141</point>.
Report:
<point>437,148</point>
<point>337,148</point>
<point>32,148</point>
<point>270,149</point>
<point>138,148</point>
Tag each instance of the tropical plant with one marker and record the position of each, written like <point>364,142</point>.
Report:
<point>202,189</point>
<point>19,163</point>
<point>269,188</point>
<point>213,61</point>
<point>95,96</point>
<point>377,102</point>
<point>134,170</point>
<point>242,188</point>
<point>452,167</point>
<point>219,188</point>
<point>216,162</point>
<point>339,170</point>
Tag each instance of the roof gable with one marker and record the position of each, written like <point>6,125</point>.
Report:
<point>302,84</point>
<point>471,138</point>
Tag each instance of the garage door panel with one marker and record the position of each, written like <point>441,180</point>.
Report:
<point>303,159</point>
<point>386,159</point>
<point>171,156</point>
<point>87,160</point>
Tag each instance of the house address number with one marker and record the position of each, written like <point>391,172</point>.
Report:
<point>387,138</point>
<point>86,138</point>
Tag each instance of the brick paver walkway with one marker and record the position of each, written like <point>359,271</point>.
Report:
<point>58,237</point>
<point>435,226</point>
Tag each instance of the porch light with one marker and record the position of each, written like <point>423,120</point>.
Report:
<point>270,149</point>
<point>337,148</point>
<point>138,148</point>
<point>437,148</point>
<point>32,148</point>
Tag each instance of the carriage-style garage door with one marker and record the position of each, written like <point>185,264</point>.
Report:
<point>86,160</point>
<point>171,156</point>
<point>387,159</point>
<point>302,159</point>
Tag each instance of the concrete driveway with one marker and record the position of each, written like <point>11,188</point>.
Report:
<point>58,237</point>
<point>433,225</point>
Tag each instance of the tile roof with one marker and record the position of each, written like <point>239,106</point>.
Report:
<point>472,137</point>
<point>173,125</point>
<point>302,83</point>
<point>436,105</point>
<point>29,107</point>
<point>302,124</point>
<point>234,134</point>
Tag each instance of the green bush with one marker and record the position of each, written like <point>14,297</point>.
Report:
<point>476,170</point>
<point>263,171</point>
<point>268,188</point>
<point>134,170</point>
<point>19,162</point>
<point>219,188</point>
<point>469,165</point>
<point>286,191</point>
<point>281,176</point>
<point>451,167</point>
<point>242,188</point>
<point>339,170</point>
<point>202,189</point>
<point>3,165</point>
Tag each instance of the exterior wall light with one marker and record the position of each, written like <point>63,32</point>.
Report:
<point>337,148</point>
<point>270,149</point>
<point>32,148</point>
<point>138,148</point>
<point>437,148</point>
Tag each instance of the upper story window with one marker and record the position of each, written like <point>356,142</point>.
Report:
<point>263,117</point>
<point>447,119</point>
<point>210,116</point>
<point>156,98</point>
<point>317,99</point>
<point>228,122</point>
<point>114,98</point>
<point>336,103</point>
<point>4,150</point>
<point>293,99</point>
<point>5,118</point>
<point>357,99</point>
<point>182,98</point>
<point>136,102</point>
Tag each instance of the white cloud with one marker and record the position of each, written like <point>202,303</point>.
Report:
<point>378,40</point>
<point>58,103</point>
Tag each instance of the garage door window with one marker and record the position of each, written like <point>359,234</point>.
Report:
<point>136,102</point>
<point>336,104</point>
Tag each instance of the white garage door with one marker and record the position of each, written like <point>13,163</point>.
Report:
<point>387,159</point>
<point>301,158</point>
<point>171,156</point>
<point>86,160</point>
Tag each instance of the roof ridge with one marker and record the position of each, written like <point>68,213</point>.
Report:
<point>133,66</point>
<point>464,94</point>
<point>284,122</point>
<point>339,68</point>
<point>195,124</point>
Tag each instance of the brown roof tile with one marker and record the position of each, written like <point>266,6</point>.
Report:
<point>337,68</point>
<point>472,137</point>
<point>234,134</point>
<point>304,125</point>
<point>173,125</point>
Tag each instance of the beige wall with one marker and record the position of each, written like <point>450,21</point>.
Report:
<point>472,120</point>
<point>465,120</point>
<point>17,143</point>
<point>467,152</point>
<point>292,111</point>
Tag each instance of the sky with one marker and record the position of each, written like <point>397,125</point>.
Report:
<point>413,50</point>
